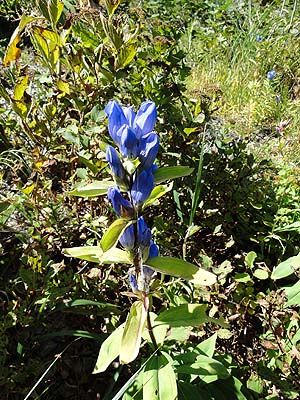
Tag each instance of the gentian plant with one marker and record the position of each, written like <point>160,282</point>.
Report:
<point>136,185</point>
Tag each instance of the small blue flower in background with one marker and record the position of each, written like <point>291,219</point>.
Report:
<point>271,74</point>
<point>278,98</point>
<point>259,38</point>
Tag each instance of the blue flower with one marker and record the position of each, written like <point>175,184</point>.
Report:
<point>144,233</point>
<point>133,133</point>
<point>116,119</point>
<point>145,119</point>
<point>271,74</point>
<point>148,150</point>
<point>133,283</point>
<point>120,205</point>
<point>153,250</point>
<point>142,187</point>
<point>127,238</point>
<point>259,38</point>
<point>115,163</point>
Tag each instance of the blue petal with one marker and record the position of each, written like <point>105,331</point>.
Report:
<point>117,200</point>
<point>128,143</point>
<point>129,114</point>
<point>116,119</point>
<point>153,251</point>
<point>114,162</point>
<point>127,239</point>
<point>148,150</point>
<point>144,233</point>
<point>133,282</point>
<point>142,187</point>
<point>145,119</point>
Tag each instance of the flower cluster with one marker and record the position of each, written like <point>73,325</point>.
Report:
<point>132,166</point>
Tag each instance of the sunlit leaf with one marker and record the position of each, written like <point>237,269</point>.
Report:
<point>95,254</point>
<point>286,268</point>
<point>167,173</point>
<point>20,87</point>
<point>131,339</point>
<point>176,267</point>
<point>184,315</point>
<point>113,233</point>
<point>159,380</point>
<point>111,6</point>
<point>12,51</point>
<point>125,56</point>
<point>109,350</point>
<point>293,295</point>
<point>204,365</point>
<point>208,346</point>
<point>157,192</point>
<point>92,189</point>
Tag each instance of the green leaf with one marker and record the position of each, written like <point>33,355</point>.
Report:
<point>86,302</point>
<point>204,366</point>
<point>113,233</point>
<point>92,189</point>
<point>125,56</point>
<point>286,268</point>
<point>87,253</point>
<point>184,315</point>
<point>159,380</point>
<point>293,295</point>
<point>109,350</point>
<point>132,335</point>
<point>261,274</point>
<point>255,383</point>
<point>156,193</point>
<point>111,6</point>
<point>96,254</point>
<point>176,267</point>
<point>208,346</point>
<point>242,277</point>
<point>167,173</point>
<point>250,258</point>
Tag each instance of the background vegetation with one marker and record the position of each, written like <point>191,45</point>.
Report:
<point>205,66</point>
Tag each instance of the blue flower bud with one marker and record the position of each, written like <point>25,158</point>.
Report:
<point>271,74</point>
<point>128,143</point>
<point>259,38</point>
<point>118,202</point>
<point>154,250</point>
<point>144,233</point>
<point>142,187</point>
<point>133,283</point>
<point>115,163</point>
<point>148,150</point>
<point>127,239</point>
<point>116,119</point>
<point>145,119</point>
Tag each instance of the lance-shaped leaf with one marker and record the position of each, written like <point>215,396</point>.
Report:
<point>293,295</point>
<point>113,233</point>
<point>204,366</point>
<point>96,254</point>
<point>109,350</point>
<point>184,315</point>
<point>156,193</point>
<point>166,173</point>
<point>159,380</point>
<point>187,315</point>
<point>176,267</point>
<point>286,268</point>
<point>131,339</point>
<point>92,189</point>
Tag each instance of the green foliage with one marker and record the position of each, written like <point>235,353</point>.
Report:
<point>237,217</point>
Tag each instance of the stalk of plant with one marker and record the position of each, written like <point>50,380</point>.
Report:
<point>132,167</point>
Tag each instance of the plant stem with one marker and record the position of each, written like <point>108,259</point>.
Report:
<point>150,329</point>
